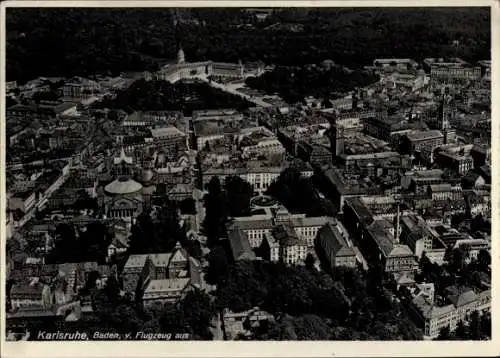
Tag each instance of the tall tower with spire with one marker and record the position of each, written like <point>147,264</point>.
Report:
<point>447,114</point>
<point>336,134</point>
<point>176,16</point>
<point>180,55</point>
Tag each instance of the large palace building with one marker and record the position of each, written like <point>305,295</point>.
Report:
<point>191,70</point>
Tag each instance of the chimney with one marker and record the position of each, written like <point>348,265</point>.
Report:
<point>396,231</point>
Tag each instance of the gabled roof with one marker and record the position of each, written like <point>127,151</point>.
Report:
<point>379,230</point>
<point>240,246</point>
<point>471,177</point>
<point>160,260</point>
<point>328,233</point>
<point>440,187</point>
<point>169,131</point>
<point>400,250</point>
<point>136,261</point>
<point>123,158</point>
<point>181,188</point>
<point>120,242</point>
<point>21,290</point>
<point>461,297</point>
<point>403,278</point>
<point>179,255</point>
<point>254,223</point>
<point>166,285</point>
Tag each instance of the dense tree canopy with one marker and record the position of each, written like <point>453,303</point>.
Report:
<point>85,201</point>
<point>220,204</point>
<point>145,95</point>
<point>239,192</point>
<point>191,315</point>
<point>159,232</point>
<point>67,42</point>
<point>218,265</point>
<point>307,327</point>
<point>216,212</point>
<point>297,193</point>
<point>88,244</point>
<point>345,303</point>
<point>321,81</point>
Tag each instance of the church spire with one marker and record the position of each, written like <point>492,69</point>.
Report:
<point>180,55</point>
<point>123,158</point>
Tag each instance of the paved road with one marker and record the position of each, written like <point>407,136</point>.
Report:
<point>231,89</point>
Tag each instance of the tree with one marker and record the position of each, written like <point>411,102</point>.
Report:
<point>486,325</point>
<point>307,327</point>
<point>131,32</point>
<point>475,326</point>
<point>188,206</point>
<point>198,311</point>
<point>296,193</point>
<point>444,334</point>
<point>84,201</point>
<point>173,320</point>
<point>160,234</point>
<point>239,192</point>
<point>115,313</point>
<point>46,96</point>
<point>282,330</point>
<point>10,102</point>
<point>309,262</point>
<point>216,214</point>
<point>113,115</point>
<point>461,331</point>
<point>112,289</point>
<point>193,247</point>
<point>424,262</point>
<point>151,326</point>
<point>92,243</point>
<point>65,245</point>
<point>242,289</point>
<point>375,277</point>
<point>448,254</point>
<point>483,260</point>
<point>458,259</point>
<point>218,265</point>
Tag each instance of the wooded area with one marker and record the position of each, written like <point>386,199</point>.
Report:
<point>68,42</point>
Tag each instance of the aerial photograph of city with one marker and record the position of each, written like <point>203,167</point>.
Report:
<point>248,174</point>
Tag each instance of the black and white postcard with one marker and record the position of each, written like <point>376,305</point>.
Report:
<point>216,176</point>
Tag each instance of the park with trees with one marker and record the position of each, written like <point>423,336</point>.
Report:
<point>159,95</point>
<point>86,42</point>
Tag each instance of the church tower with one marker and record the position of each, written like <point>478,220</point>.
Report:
<point>336,140</point>
<point>447,114</point>
<point>123,165</point>
<point>180,56</point>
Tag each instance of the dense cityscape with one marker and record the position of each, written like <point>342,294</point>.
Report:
<point>248,174</point>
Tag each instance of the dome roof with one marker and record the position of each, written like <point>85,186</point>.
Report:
<point>122,186</point>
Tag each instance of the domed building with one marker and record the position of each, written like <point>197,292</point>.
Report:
<point>123,197</point>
